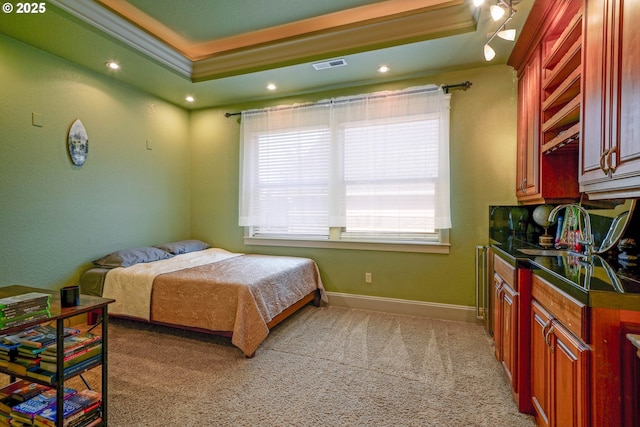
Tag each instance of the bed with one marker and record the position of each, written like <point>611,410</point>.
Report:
<point>190,285</point>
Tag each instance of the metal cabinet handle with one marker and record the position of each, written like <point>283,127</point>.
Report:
<point>612,150</point>
<point>544,330</point>
<point>603,157</point>
<point>547,338</point>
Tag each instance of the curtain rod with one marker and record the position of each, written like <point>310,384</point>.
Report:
<point>464,86</point>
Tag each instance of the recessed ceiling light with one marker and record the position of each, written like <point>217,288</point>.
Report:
<point>113,65</point>
<point>189,99</point>
<point>271,86</point>
<point>383,69</point>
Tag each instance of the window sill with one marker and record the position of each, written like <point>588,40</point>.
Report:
<point>422,247</point>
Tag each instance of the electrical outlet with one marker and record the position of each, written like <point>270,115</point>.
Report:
<point>367,277</point>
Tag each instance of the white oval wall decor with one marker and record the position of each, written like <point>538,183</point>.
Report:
<point>78,143</point>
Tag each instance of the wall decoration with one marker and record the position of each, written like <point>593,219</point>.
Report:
<point>78,142</point>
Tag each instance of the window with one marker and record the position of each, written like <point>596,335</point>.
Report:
<point>370,168</point>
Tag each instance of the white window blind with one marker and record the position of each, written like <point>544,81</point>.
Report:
<point>374,167</point>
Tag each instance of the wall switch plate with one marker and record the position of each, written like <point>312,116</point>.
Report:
<point>37,119</point>
<point>367,277</point>
<point>149,145</point>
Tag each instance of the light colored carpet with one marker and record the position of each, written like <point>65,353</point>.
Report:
<point>325,366</point>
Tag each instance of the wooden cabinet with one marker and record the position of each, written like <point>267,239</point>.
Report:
<point>505,326</point>
<point>528,153</point>
<point>615,377</point>
<point>511,340</point>
<point>610,147</point>
<point>540,364</point>
<point>547,57</point>
<point>560,359</point>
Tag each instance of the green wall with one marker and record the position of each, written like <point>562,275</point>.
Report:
<point>56,217</point>
<point>483,136</point>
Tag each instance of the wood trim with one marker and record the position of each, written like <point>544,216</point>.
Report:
<point>630,355</point>
<point>313,296</point>
<point>531,33</point>
<point>348,18</point>
<point>608,328</point>
<point>506,271</point>
<point>458,313</point>
<point>571,313</point>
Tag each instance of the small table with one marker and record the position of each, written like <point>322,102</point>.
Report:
<point>59,314</point>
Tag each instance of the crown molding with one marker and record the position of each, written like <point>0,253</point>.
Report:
<point>117,27</point>
<point>420,26</point>
<point>385,24</point>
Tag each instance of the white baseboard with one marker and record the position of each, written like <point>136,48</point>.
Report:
<point>460,313</point>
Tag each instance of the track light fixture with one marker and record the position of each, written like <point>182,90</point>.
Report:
<point>507,34</point>
<point>498,11</point>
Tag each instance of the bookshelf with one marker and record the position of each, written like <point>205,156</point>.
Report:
<point>59,314</point>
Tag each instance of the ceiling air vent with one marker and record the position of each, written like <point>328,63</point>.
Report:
<point>329,64</point>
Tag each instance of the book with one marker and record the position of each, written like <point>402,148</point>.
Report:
<point>43,336</point>
<point>50,377</point>
<point>73,359</point>
<point>17,368</point>
<point>5,419</point>
<point>41,375</point>
<point>91,418</point>
<point>17,300</point>
<point>73,343</point>
<point>12,313</point>
<point>29,362</point>
<point>38,334</point>
<point>7,348</point>
<point>29,391</point>
<point>7,400</point>
<point>74,407</point>
<point>26,320</point>
<point>30,408</point>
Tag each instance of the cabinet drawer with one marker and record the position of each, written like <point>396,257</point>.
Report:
<point>504,270</point>
<point>571,313</point>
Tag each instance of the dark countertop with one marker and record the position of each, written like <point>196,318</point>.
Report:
<point>594,281</point>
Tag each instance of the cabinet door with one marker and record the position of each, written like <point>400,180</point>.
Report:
<point>569,378</point>
<point>497,316</point>
<point>540,362</point>
<point>528,148</point>
<point>610,146</point>
<point>624,156</point>
<point>509,329</point>
<point>593,145</point>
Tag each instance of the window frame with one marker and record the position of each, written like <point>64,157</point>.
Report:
<point>424,242</point>
<point>440,247</point>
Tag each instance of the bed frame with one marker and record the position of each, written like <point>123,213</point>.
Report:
<point>313,297</point>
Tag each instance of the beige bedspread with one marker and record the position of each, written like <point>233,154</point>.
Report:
<point>240,294</point>
<point>131,286</point>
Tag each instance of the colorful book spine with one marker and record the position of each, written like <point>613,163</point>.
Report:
<point>73,360</point>
<point>75,407</point>
<point>17,300</point>
<point>25,320</point>
<point>12,313</point>
<point>30,408</point>
<point>51,377</point>
<point>73,344</point>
